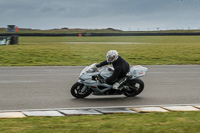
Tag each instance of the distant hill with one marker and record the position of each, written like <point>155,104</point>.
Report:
<point>64,30</point>
<point>108,30</point>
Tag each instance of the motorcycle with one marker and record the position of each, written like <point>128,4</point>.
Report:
<point>90,82</point>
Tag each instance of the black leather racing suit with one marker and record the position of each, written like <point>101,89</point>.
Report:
<point>121,68</point>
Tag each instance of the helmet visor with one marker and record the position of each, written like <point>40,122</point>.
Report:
<point>110,58</point>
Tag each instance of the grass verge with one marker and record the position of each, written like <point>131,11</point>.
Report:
<point>172,122</point>
<point>55,51</point>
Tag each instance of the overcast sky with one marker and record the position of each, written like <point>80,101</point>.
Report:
<point>92,14</point>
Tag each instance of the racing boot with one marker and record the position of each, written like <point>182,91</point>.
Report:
<point>117,85</point>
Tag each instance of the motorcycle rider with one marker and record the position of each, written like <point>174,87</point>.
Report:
<point>121,69</point>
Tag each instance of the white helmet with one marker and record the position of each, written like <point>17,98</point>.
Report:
<point>112,56</point>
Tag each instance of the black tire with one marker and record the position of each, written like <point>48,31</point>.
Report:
<point>76,91</point>
<point>136,86</point>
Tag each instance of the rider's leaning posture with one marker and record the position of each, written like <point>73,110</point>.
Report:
<point>121,68</point>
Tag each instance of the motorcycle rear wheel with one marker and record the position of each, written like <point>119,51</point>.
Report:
<point>76,91</point>
<point>136,86</point>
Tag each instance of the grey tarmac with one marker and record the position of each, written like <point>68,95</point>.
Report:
<point>43,87</point>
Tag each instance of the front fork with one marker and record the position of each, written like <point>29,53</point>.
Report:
<point>84,87</point>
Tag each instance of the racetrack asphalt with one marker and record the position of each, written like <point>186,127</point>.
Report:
<point>49,87</point>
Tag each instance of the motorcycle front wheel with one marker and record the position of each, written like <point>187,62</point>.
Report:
<point>136,86</point>
<point>76,91</point>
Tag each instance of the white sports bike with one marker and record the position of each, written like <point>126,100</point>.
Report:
<point>90,82</point>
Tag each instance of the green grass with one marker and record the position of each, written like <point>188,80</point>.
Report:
<point>173,122</point>
<point>54,51</point>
